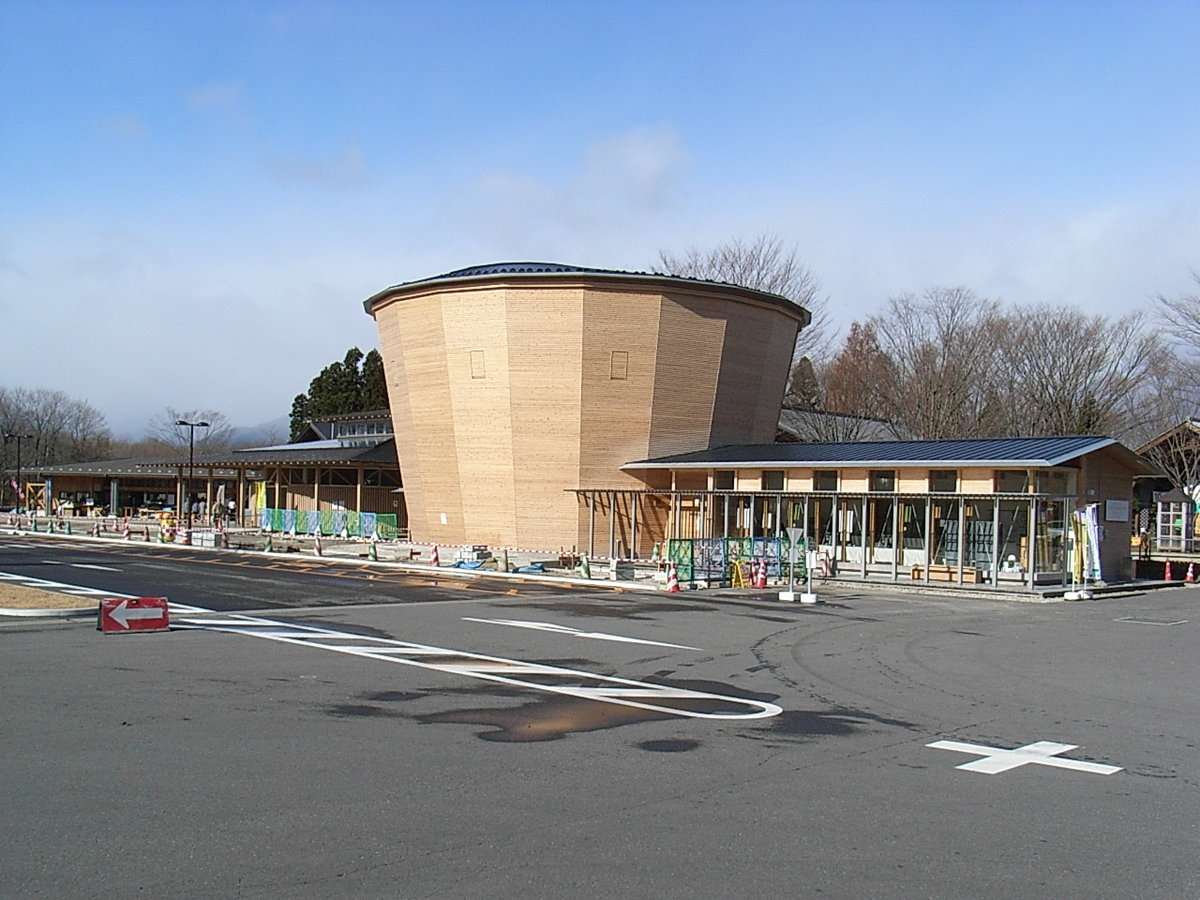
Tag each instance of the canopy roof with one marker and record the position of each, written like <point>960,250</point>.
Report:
<point>985,452</point>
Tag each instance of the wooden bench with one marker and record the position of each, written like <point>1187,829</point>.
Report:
<point>970,574</point>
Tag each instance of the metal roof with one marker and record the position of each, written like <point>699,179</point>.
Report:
<point>323,453</point>
<point>536,270</point>
<point>310,453</point>
<point>128,466</point>
<point>1017,452</point>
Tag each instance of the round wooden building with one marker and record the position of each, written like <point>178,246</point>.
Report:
<point>515,386</point>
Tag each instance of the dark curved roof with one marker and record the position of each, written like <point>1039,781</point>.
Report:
<point>534,269</point>
<point>519,268</point>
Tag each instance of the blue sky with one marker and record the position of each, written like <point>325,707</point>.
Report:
<point>196,197</point>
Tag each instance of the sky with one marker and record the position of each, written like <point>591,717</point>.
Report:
<point>196,197</point>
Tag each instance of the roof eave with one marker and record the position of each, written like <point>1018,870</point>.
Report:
<point>966,462</point>
<point>779,300</point>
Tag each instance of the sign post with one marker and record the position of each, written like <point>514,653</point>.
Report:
<point>129,614</point>
<point>795,536</point>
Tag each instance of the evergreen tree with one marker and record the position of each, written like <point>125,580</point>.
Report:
<point>374,386</point>
<point>355,384</point>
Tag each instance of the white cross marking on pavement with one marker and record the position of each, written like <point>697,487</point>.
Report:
<point>1042,753</point>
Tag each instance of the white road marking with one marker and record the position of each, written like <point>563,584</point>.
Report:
<point>1042,753</point>
<point>77,590</point>
<point>571,682</point>
<point>576,632</point>
<point>93,566</point>
<point>58,586</point>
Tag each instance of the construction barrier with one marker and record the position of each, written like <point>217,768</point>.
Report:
<point>328,522</point>
<point>717,560</point>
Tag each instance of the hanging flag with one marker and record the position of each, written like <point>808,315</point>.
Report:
<point>1092,521</point>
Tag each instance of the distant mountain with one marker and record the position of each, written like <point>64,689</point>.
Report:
<point>266,434</point>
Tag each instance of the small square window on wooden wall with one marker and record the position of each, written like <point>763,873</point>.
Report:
<point>477,368</point>
<point>825,480</point>
<point>943,481</point>
<point>882,480</point>
<point>618,365</point>
<point>772,480</point>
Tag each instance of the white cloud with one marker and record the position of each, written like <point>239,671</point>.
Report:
<point>215,96</point>
<point>621,187</point>
<point>349,168</point>
<point>638,171</point>
<point>125,128</point>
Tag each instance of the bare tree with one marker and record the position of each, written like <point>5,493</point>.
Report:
<point>1182,315</point>
<point>1067,372</point>
<point>1176,452</point>
<point>1178,376</point>
<point>60,428</point>
<point>763,263</point>
<point>942,348</point>
<point>216,438</point>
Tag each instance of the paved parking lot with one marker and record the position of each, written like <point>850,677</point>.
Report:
<point>595,744</point>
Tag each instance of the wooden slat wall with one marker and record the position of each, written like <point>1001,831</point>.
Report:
<point>423,415</point>
<point>338,496</point>
<point>480,409</point>
<point>691,339</point>
<point>382,500</point>
<point>754,367</point>
<point>387,322</point>
<point>545,337</point>
<point>615,414</point>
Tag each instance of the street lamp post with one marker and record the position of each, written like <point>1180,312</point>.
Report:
<point>18,438</point>
<point>191,426</point>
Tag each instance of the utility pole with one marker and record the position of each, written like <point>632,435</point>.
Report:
<point>191,426</point>
<point>18,438</point>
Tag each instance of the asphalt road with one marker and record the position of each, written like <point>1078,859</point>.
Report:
<point>342,737</point>
<point>234,581</point>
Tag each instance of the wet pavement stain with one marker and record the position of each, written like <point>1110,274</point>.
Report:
<point>668,746</point>
<point>797,723</point>
<point>605,607</point>
<point>544,720</point>
<point>355,710</point>
<point>392,696</point>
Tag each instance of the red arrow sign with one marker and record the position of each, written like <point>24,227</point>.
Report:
<point>133,614</point>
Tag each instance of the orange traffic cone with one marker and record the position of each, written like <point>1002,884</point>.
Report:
<point>433,560</point>
<point>672,580</point>
<point>1167,571</point>
<point>761,580</point>
<point>1191,574</point>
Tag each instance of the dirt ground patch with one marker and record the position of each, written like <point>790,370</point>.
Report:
<point>14,596</point>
